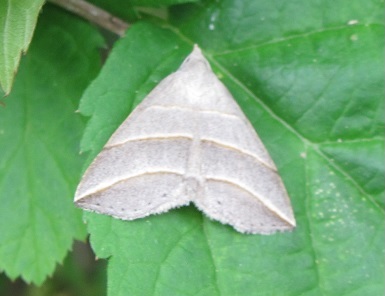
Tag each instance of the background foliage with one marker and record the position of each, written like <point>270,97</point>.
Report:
<point>308,75</point>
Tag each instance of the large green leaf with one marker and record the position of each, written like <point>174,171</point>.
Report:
<point>160,2</point>
<point>17,23</point>
<point>39,142</point>
<point>309,76</point>
<point>132,10</point>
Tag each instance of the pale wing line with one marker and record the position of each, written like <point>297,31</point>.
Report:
<point>158,137</point>
<point>223,145</point>
<point>105,187</point>
<point>262,199</point>
<point>193,110</point>
<point>238,150</point>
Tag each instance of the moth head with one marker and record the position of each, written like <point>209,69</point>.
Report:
<point>196,61</point>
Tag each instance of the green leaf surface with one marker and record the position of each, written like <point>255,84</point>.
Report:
<point>134,10</point>
<point>17,23</point>
<point>309,76</point>
<point>39,143</point>
<point>158,3</point>
<point>118,8</point>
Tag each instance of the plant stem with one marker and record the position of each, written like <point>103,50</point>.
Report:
<point>94,14</point>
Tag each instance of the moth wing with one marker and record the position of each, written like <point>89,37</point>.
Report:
<point>136,179</point>
<point>242,191</point>
<point>189,128</point>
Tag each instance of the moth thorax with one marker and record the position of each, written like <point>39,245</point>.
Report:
<point>192,187</point>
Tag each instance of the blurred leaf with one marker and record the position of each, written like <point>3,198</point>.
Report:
<point>309,77</point>
<point>17,23</point>
<point>158,3</point>
<point>133,10</point>
<point>39,144</point>
<point>79,274</point>
<point>118,8</point>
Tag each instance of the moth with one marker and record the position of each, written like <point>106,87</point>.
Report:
<point>188,142</point>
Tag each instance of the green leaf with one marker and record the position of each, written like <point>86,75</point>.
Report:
<point>158,3</point>
<point>118,8</point>
<point>132,84</point>
<point>17,23</point>
<point>310,79</point>
<point>134,10</point>
<point>39,143</point>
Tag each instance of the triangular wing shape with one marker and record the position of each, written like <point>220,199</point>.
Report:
<point>188,141</point>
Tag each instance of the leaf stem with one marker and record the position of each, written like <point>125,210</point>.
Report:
<point>94,14</point>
